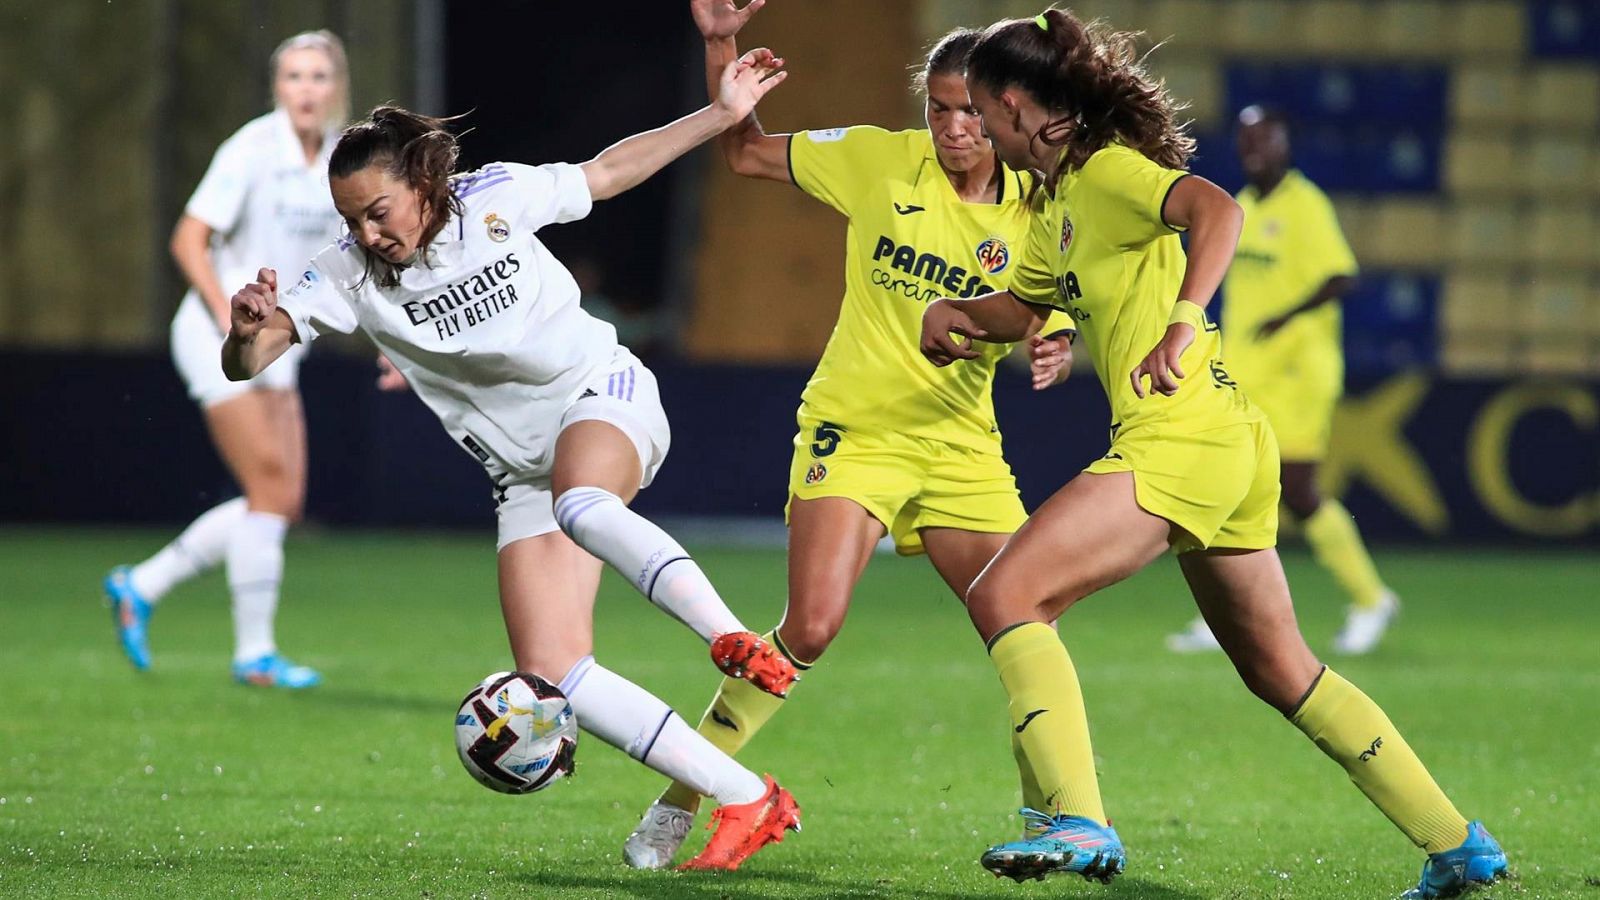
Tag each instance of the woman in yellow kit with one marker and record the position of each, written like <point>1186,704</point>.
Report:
<point>886,444</point>
<point>1292,266</point>
<point>1193,465</point>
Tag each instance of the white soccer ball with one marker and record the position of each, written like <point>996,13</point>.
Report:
<point>516,733</point>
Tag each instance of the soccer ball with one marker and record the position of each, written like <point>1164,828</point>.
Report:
<point>516,733</point>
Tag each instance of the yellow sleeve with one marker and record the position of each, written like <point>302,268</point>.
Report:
<point>1323,243</point>
<point>1128,191</point>
<point>1034,280</point>
<point>840,165</point>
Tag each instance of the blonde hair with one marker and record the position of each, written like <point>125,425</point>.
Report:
<point>331,47</point>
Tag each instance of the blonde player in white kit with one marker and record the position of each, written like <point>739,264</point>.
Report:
<point>445,274</point>
<point>264,199</point>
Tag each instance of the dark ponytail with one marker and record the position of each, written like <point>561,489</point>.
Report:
<point>1094,76</point>
<point>417,150</point>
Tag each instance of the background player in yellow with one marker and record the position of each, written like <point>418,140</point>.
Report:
<point>1282,317</point>
<point>886,443</point>
<point>1193,465</point>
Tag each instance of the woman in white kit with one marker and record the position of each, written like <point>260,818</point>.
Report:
<point>263,199</point>
<point>444,273</point>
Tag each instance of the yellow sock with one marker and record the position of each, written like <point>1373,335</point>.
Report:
<point>1355,733</point>
<point>1336,543</point>
<point>1047,718</point>
<point>1032,796</point>
<point>735,715</point>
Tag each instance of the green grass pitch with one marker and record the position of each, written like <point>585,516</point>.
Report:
<point>178,783</point>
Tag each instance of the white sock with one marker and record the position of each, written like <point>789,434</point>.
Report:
<point>633,720</point>
<point>197,549</point>
<point>599,522</point>
<point>255,568</point>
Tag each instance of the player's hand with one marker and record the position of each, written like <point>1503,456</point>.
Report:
<point>746,80</point>
<point>1050,360</point>
<point>721,18</point>
<point>254,304</point>
<point>390,378</point>
<point>1270,327</point>
<point>939,321</point>
<point>1162,364</point>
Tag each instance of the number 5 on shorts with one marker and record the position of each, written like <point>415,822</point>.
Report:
<point>826,439</point>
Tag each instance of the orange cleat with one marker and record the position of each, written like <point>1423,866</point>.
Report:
<point>744,828</point>
<point>743,654</point>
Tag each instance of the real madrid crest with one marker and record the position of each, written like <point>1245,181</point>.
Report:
<point>1066,232</point>
<point>499,229</point>
<point>993,255</point>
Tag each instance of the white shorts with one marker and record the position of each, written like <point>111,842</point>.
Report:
<point>625,394</point>
<point>197,352</point>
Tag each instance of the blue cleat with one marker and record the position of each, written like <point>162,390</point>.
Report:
<point>273,670</point>
<point>130,613</point>
<point>1059,844</point>
<point>1450,873</point>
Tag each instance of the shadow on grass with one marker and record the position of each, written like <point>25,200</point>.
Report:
<point>805,884</point>
<point>358,698</point>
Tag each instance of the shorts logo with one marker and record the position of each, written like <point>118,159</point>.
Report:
<point>993,256</point>
<point>816,473</point>
<point>1066,232</point>
<point>499,229</point>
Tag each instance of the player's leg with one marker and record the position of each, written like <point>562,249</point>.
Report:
<point>831,540</point>
<point>958,556</point>
<point>547,590</point>
<point>260,435</point>
<point>1090,534</point>
<point>1245,597</point>
<point>1336,543</point>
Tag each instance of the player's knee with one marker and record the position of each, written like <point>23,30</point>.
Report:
<point>808,638</point>
<point>1278,679</point>
<point>1302,497</point>
<point>575,506</point>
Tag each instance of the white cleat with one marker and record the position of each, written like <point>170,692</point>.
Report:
<point>1197,638</point>
<point>1363,628</point>
<point>660,833</point>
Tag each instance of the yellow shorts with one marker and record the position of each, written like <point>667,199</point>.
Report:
<point>906,483</point>
<point>1219,485</point>
<point>1301,414</point>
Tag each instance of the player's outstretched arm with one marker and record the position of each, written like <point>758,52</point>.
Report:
<point>999,318</point>
<point>628,162</point>
<point>260,330</point>
<point>748,150</point>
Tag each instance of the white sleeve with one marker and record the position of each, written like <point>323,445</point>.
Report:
<point>551,193</point>
<point>317,306</point>
<point>219,199</point>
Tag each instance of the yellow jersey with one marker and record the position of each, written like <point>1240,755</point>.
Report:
<point>1291,245</point>
<point>910,240</point>
<point>1100,250</point>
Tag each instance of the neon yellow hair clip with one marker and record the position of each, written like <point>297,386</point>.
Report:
<point>1042,22</point>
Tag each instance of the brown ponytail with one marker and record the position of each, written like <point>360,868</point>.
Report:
<point>1091,73</point>
<point>414,148</point>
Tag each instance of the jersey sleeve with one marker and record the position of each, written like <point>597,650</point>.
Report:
<point>840,165</point>
<point>1323,241</point>
<point>1057,324</point>
<point>549,194</point>
<point>1129,190</point>
<point>1034,281</point>
<point>315,304</point>
<point>219,200</point>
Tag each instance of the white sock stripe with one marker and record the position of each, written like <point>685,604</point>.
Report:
<point>574,677</point>
<point>570,507</point>
<point>645,754</point>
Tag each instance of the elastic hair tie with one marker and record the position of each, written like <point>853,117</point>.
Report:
<point>1042,22</point>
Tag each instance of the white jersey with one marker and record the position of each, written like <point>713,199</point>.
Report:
<point>488,330</point>
<point>267,205</point>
